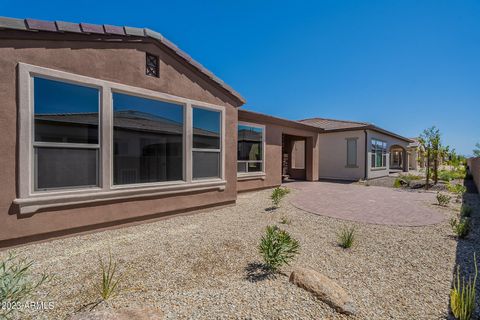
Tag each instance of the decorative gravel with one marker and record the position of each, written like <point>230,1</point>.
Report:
<point>205,266</point>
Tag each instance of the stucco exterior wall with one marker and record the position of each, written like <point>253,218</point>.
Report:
<point>273,152</point>
<point>375,172</point>
<point>121,62</point>
<point>474,167</point>
<point>333,155</point>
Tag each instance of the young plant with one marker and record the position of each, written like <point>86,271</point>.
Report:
<point>458,189</point>
<point>462,296</point>
<point>109,285</point>
<point>346,237</point>
<point>277,248</point>
<point>17,283</point>
<point>277,195</point>
<point>285,220</point>
<point>461,228</point>
<point>443,199</point>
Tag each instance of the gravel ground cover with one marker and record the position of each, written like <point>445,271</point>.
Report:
<point>205,266</point>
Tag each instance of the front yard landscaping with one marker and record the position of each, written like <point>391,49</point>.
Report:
<point>208,265</point>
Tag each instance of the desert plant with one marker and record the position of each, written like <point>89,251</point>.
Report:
<point>277,248</point>
<point>443,199</point>
<point>456,188</point>
<point>17,283</point>
<point>397,183</point>
<point>466,211</point>
<point>462,296</point>
<point>346,237</point>
<point>277,195</point>
<point>285,220</point>
<point>109,284</point>
<point>461,227</point>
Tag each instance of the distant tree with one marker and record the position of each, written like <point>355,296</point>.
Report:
<point>476,151</point>
<point>430,140</point>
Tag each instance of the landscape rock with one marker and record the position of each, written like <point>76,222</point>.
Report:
<point>324,289</point>
<point>121,314</point>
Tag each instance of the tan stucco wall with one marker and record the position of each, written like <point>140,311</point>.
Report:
<point>273,153</point>
<point>376,173</point>
<point>333,155</point>
<point>474,167</point>
<point>114,61</point>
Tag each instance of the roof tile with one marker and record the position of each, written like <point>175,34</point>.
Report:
<point>68,27</point>
<point>92,28</point>
<point>12,23</point>
<point>114,30</point>
<point>131,31</point>
<point>41,25</point>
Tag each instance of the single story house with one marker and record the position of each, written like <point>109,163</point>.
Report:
<point>358,150</point>
<point>106,125</point>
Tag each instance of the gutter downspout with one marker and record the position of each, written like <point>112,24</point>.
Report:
<point>366,155</point>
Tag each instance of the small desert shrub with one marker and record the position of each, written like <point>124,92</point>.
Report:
<point>462,296</point>
<point>456,188</point>
<point>397,183</point>
<point>346,237</point>
<point>285,220</point>
<point>443,199</point>
<point>277,195</point>
<point>461,227</point>
<point>109,285</point>
<point>449,175</point>
<point>17,283</point>
<point>466,211</point>
<point>277,248</point>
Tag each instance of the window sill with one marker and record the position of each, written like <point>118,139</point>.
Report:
<point>42,201</point>
<point>378,169</point>
<point>251,176</point>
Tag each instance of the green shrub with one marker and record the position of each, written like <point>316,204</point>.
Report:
<point>456,188</point>
<point>277,195</point>
<point>449,175</point>
<point>466,211</point>
<point>397,183</point>
<point>17,283</point>
<point>462,296</point>
<point>443,199</point>
<point>461,227</point>
<point>109,285</point>
<point>346,237</point>
<point>277,248</point>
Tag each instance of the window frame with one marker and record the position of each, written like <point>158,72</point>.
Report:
<point>373,164</point>
<point>263,161</point>
<point>30,200</point>
<point>221,146</point>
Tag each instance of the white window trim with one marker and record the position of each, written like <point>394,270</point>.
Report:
<point>373,168</point>
<point>30,200</point>
<point>246,175</point>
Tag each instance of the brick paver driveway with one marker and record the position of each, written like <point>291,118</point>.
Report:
<point>378,205</point>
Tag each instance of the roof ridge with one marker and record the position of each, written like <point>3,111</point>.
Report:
<point>106,29</point>
<point>338,120</point>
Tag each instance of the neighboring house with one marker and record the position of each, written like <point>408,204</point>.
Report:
<point>417,155</point>
<point>358,150</point>
<point>105,125</point>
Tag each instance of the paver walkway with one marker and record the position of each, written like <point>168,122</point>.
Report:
<point>377,205</point>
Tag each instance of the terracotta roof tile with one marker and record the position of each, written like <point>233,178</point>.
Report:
<point>68,27</point>
<point>332,124</point>
<point>42,25</point>
<point>114,30</point>
<point>92,28</point>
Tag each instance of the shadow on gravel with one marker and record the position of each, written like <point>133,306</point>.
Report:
<point>466,247</point>
<point>256,272</point>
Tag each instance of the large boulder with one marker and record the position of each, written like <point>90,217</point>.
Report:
<point>121,314</point>
<point>324,289</point>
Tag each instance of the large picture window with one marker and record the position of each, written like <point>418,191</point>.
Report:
<point>379,154</point>
<point>147,140</point>
<point>86,139</point>
<point>66,135</point>
<point>206,143</point>
<point>250,148</point>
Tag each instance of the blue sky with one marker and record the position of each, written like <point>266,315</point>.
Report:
<point>402,65</point>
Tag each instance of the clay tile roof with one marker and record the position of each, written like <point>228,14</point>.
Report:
<point>332,124</point>
<point>86,28</point>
